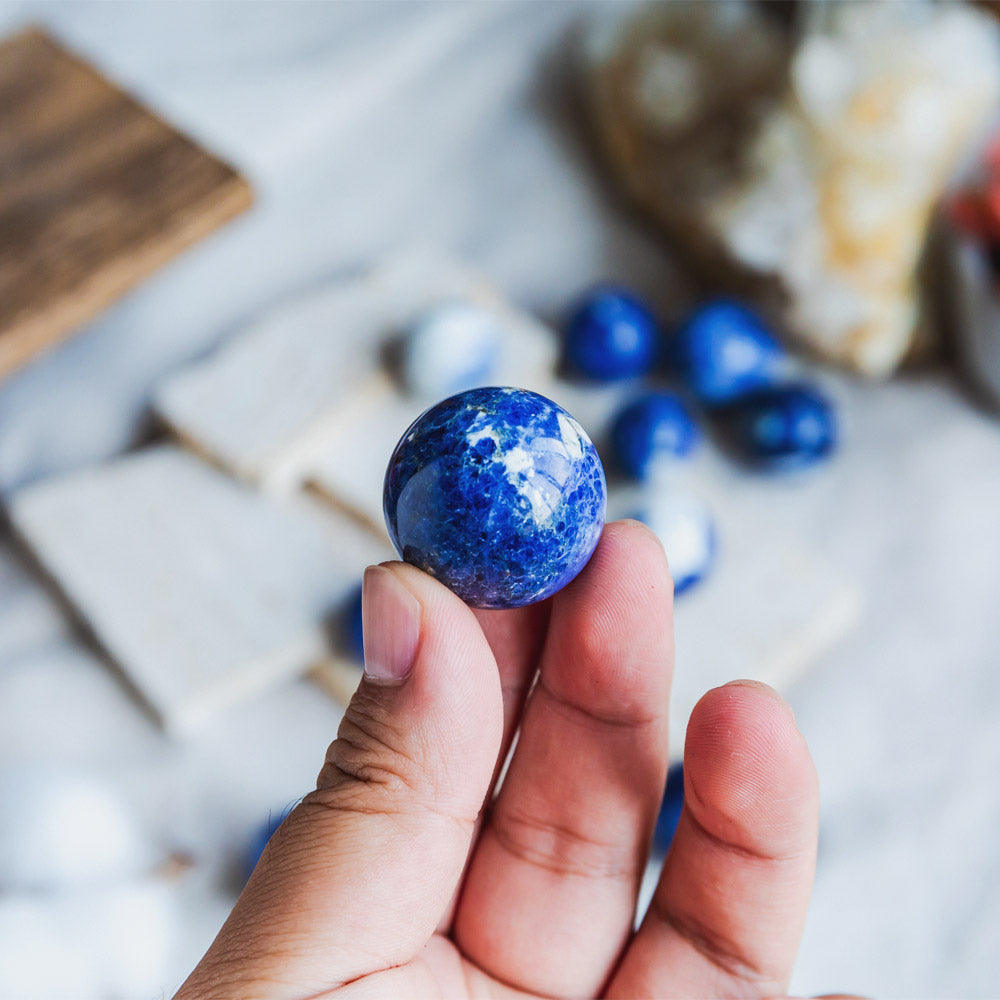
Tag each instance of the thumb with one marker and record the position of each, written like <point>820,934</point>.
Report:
<point>357,877</point>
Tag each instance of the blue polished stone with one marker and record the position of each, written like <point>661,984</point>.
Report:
<point>611,335</point>
<point>498,493</point>
<point>351,631</point>
<point>686,528</point>
<point>450,347</point>
<point>785,427</point>
<point>654,427</point>
<point>670,808</point>
<point>724,351</point>
<point>260,838</point>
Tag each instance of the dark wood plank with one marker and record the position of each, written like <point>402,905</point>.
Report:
<point>96,192</point>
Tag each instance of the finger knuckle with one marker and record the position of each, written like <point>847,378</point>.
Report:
<point>371,751</point>
<point>719,948</point>
<point>562,849</point>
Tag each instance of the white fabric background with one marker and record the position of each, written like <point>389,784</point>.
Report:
<point>365,125</point>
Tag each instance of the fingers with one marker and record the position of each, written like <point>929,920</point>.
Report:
<point>728,912</point>
<point>356,878</point>
<point>549,899</point>
<point>516,638</point>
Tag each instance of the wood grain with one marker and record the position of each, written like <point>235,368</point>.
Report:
<point>96,192</point>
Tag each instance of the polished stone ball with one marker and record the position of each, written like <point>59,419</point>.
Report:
<point>686,528</point>
<point>610,336</point>
<point>452,346</point>
<point>497,492</point>
<point>654,428</point>
<point>783,428</point>
<point>724,351</point>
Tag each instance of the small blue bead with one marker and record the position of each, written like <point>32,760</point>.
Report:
<point>453,346</point>
<point>785,427</point>
<point>724,351</point>
<point>652,427</point>
<point>351,630</point>
<point>685,527</point>
<point>670,808</point>
<point>611,336</point>
<point>498,493</point>
<point>260,838</point>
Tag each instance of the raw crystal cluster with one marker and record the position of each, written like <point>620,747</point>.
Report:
<point>800,165</point>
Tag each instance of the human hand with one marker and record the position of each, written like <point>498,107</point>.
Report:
<point>392,879</point>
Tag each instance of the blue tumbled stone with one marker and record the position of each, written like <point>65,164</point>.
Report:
<point>785,427</point>
<point>654,427</point>
<point>670,808</point>
<point>686,528</point>
<point>497,492</point>
<point>351,630</point>
<point>452,346</point>
<point>724,351</point>
<point>260,838</point>
<point>611,335</point>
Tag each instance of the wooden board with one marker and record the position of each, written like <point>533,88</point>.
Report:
<point>203,591</point>
<point>96,192</point>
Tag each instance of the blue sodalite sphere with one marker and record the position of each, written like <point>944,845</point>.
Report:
<point>686,528</point>
<point>724,351</point>
<point>654,427</point>
<point>450,347</point>
<point>611,336</point>
<point>498,493</point>
<point>786,427</point>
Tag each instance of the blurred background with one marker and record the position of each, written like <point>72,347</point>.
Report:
<point>230,235</point>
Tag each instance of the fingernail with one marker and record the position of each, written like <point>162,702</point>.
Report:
<point>390,617</point>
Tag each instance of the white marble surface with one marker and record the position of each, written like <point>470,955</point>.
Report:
<point>364,126</point>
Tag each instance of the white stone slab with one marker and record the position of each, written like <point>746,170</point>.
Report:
<point>29,617</point>
<point>202,591</point>
<point>348,471</point>
<point>265,402</point>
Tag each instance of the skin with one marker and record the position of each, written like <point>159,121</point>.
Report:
<point>392,879</point>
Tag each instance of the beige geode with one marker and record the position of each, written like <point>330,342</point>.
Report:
<point>800,168</point>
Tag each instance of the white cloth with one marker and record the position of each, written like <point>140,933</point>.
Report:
<point>365,126</point>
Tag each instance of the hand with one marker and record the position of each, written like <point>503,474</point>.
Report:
<point>392,879</point>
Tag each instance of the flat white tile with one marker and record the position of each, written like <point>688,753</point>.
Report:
<point>201,590</point>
